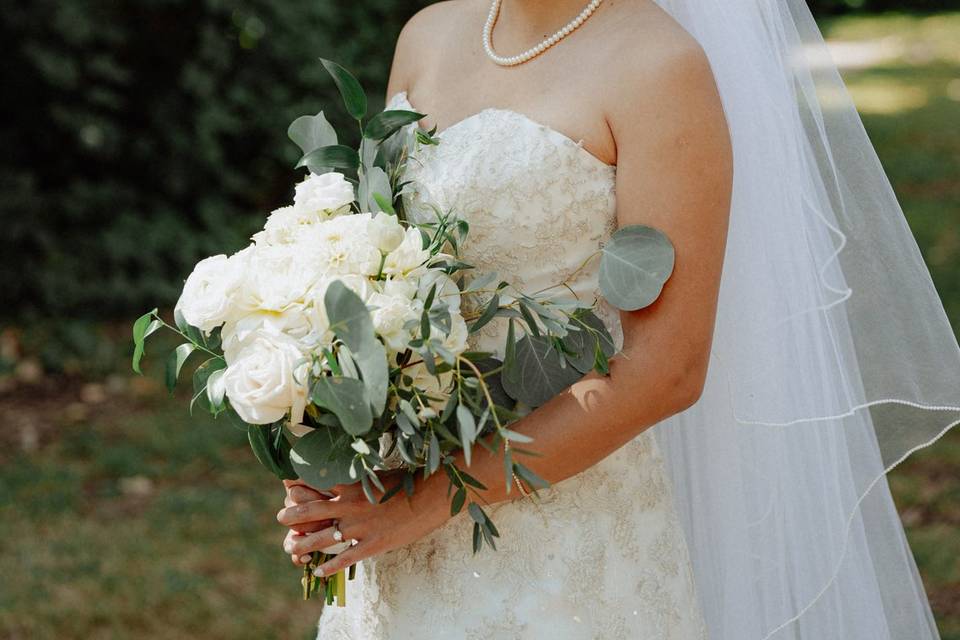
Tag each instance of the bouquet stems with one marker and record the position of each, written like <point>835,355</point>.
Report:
<point>333,587</point>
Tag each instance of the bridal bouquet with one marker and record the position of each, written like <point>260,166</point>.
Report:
<point>338,339</point>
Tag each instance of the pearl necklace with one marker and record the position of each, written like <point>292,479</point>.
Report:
<point>533,52</point>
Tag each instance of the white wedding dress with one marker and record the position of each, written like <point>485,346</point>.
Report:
<point>602,554</point>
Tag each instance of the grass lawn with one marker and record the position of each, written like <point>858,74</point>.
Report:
<point>121,517</point>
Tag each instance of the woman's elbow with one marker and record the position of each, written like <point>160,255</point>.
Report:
<point>689,380</point>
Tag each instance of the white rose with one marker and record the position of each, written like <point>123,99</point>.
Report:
<point>385,232</point>
<point>286,224</point>
<point>266,379</point>
<point>408,258</point>
<point>208,294</point>
<point>341,246</point>
<point>297,322</point>
<point>278,277</point>
<point>325,195</point>
<point>389,316</point>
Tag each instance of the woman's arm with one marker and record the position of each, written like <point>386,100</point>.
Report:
<point>674,172</point>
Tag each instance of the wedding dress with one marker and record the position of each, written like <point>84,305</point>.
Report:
<point>602,553</point>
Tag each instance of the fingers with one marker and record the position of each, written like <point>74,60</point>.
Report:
<point>299,545</point>
<point>301,493</point>
<point>313,511</point>
<point>297,559</point>
<point>343,560</point>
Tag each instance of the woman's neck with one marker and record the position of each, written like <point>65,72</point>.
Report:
<point>535,19</point>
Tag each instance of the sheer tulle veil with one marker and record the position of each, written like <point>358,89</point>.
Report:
<point>832,359</point>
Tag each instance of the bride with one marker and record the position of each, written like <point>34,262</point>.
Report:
<point>797,354</point>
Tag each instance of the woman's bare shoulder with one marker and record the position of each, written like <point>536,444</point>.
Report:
<point>425,35</point>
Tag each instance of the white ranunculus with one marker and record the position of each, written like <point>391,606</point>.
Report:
<point>400,287</point>
<point>266,379</point>
<point>389,316</point>
<point>208,294</point>
<point>407,259</point>
<point>325,195</point>
<point>385,232</point>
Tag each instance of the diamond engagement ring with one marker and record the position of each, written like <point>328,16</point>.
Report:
<point>337,534</point>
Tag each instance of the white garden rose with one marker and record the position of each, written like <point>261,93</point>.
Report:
<point>408,259</point>
<point>389,315</point>
<point>297,322</point>
<point>326,195</point>
<point>456,339</point>
<point>208,294</point>
<point>278,277</point>
<point>342,246</point>
<point>438,387</point>
<point>266,379</point>
<point>447,289</point>
<point>385,232</point>
<point>286,224</point>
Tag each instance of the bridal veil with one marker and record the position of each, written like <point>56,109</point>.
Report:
<point>832,359</point>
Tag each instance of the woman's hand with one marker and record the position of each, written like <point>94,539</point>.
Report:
<point>377,527</point>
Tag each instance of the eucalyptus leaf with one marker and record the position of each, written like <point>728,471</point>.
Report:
<point>335,156</point>
<point>536,374</point>
<point>323,458</point>
<point>368,153</point>
<point>350,321</point>
<point>468,431</point>
<point>312,132</point>
<point>635,264</point>
<point>489,312</point>
<point>354,99</point>
<point>583,343</point>
<point>347,399</point>
<point>373,181</point>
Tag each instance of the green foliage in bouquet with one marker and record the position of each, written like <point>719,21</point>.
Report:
<point>366,357</point>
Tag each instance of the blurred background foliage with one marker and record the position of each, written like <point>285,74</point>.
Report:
<point>142,135</point>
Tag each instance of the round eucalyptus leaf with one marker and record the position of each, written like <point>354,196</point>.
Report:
<point>535,373</point>
<point>373,181</point>
<point>312,132</point>
<point>322,458</point>
<point>346,398</point>
<point>635,264</point>
<point>350,321</point>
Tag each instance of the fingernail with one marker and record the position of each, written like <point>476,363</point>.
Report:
<point>305,559</point>
<point>318,572</point>
<point>288,547</point>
